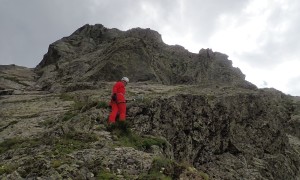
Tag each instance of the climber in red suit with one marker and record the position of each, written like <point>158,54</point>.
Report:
<point>118,101</point>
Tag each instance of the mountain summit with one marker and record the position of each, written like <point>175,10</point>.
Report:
<point>95,53</point>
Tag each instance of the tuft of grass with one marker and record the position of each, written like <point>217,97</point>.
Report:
<point>106,175</point>
<point>157,171</point>
<point>6,169</point>
<point>68,115</point>
<point>102,105</point>
<point>71,142</point>
<point>56,163</point>
<point>16,143</point>
<point>60,160</point>
<point>10,144</point>
<point>130,139</point>
<point>66,97</point>
<point>154,176</point>
<point>204,175</point>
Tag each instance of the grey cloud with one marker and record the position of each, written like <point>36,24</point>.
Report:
<point>28,27</point>
<point>277,44</point>
<point>202,16</point>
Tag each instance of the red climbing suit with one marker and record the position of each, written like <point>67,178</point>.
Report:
<point>120,104</point>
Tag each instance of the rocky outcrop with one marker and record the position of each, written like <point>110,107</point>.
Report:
<point>195,116</point>
<point>189,132</point>
<point>13,77</point>
<point>94,53</point>
<point>229,135</point>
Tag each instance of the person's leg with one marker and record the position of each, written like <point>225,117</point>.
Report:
<point>113,114</point>
<point>122,110</point>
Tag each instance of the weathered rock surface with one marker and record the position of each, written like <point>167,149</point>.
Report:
<point>13,77</point>
<point>226,132</point>
<point>94,53</point>
<point>195,116</point>
<point>230,134</point>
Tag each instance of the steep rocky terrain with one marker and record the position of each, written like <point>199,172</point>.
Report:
<point>195,117</point>
<point>95,53</point>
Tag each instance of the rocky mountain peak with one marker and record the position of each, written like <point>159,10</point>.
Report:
<point>144,34</point>
<point>94,53</point>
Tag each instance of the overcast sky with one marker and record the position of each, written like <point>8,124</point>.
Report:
<point>261,37</point>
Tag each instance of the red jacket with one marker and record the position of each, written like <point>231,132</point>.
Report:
<point>119,89</point>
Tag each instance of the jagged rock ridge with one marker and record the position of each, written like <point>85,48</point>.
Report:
<point>94,53</point>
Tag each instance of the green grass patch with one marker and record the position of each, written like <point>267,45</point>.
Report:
<point>102,105</point>
<point>10,144</point>
<point>204,175</point>
<point>68,115</point>
<point>158,168</point>
<point>128,138</point>
<point>85,106</point>
<point>66,97</point>
<point>16,143</point>
<point>104,174</point>
<point>55,163</point>
<point>6,169</point>
<point>71,142</point>
<point>154,176</point>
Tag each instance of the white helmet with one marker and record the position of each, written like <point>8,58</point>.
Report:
<point>125,79</point>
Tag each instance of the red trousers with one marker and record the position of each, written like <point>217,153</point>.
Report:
<point>117,108</point>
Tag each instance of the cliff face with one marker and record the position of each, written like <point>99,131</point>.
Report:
<point>228,134</point>
<point>195,117</point>
<point>95,53</point>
